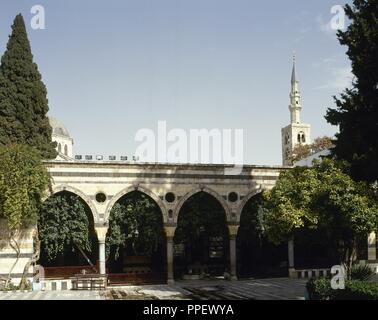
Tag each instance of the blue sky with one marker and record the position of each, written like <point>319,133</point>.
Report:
<point>113,67</point>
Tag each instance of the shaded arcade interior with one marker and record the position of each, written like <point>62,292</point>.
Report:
<point>201,242</point>
<point>139,250</point>
<point>257,257</point>
<point>68,239</point>
<point>135,241</point>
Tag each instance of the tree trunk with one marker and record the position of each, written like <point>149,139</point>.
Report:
<point>349,256</point>
<point>15,246</point>
<point>33,260</point>
<point>86,258</point>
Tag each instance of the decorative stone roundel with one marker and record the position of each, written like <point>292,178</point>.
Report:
<point>100,197</point>
<point>170,197</point>
<point>233,197</point>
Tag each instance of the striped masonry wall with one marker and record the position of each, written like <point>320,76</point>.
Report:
<point>8,256</point>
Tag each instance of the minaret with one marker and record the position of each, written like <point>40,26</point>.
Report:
<point>296,132</point>
<point>295,97</point>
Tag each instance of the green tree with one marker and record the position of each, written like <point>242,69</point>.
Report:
<point>201,213</point>
<point>134,221</point>
<point>23,183</point>
<point>64,225</point>
<point>201,220</point>
<point>356,111</point>
<point>321,198</point>
<point>321,143</point>
<point>23,96</point>
<point>302,151</point>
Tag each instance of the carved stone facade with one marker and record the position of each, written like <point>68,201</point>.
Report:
<point>116,179</point>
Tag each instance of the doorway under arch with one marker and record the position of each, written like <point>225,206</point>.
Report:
<point>256,256</point>
<point>201,241</point>
<point>135,241</point>
<point>68,239</point>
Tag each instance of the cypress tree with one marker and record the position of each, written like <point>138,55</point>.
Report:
<point>356,111</point>
<point>23,96</point>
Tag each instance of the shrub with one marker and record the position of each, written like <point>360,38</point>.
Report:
<point>319,289</point>
<point>360,272</point>
<point>358,290</point>
<point>13,287</point>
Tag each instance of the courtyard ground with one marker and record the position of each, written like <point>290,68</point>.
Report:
<point>265,289</point>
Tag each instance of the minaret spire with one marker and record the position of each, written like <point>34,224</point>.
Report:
<point>294,77</point>
<point>295,97</point>
<point>297,132</point>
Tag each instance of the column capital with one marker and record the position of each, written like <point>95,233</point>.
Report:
<point>170,230</point>
<point>233,230</point>
<point>101,233</point>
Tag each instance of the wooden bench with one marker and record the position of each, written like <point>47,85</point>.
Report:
<point>89,282</point>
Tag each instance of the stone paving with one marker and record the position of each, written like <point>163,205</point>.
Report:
<point>266,289</point>
<point>52,295</point>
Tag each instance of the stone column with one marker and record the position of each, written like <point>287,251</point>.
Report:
<point>233,230</point>
<point>170,232</point>
<point>290,254</point>
<point>101,254</point>
<point>372,248</point>
<point>101,235</point>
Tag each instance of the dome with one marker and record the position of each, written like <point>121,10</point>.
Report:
<point>58,128</point>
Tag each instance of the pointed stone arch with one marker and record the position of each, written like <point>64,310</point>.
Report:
<point>146,191</point>
<point>244,201</point>
<point>209,191</point>
<point>63,187</point>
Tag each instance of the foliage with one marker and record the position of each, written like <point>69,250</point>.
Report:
<point>302,151</point>
<point>13,287</point>
<point>23,182</point>
<point>322,143</point>
<point>23,96</point>
<point>361,272</point>
<point>358,290</point>
<point>320,289</point>
<point>64,224</point>
<point>356,111</point>
<point>251,221</point>
<point>201,213</point>
<point>135,221</point>
<point>322,198</point>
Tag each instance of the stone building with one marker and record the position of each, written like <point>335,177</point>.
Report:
<point>101,183</point>
<point>296,132</point>
<point>64,142</point>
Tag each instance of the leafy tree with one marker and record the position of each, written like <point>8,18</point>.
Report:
<point>321,198</point>
<point>23,182</point>
<point>23,96</point>
<point>322,143</point>
<point>136,222</point>
<point>251,221</point>
<point>201,213</point>
<point>356,111</point>
<point>64,224</point>
<point>201,218</point>
<point>302,151</point>
<point>257,256</point>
